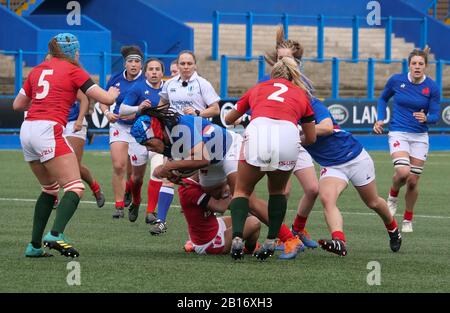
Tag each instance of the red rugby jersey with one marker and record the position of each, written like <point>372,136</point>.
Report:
<point>53,87</point>
<point>202,224</point>
<point>277,99</point>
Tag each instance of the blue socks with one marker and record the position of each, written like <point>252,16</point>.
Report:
<point>164,202</point>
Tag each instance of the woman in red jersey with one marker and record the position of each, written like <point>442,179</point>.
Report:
<point>271,146</point>
<point>48,94</point>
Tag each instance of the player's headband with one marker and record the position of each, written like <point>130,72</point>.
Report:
<point>133,57</point>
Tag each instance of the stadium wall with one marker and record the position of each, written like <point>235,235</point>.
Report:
<point>132,22</point>
<point>21,33</point>
<point>438,33</point>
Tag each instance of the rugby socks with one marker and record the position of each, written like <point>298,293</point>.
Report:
<point>284,233</point>
<point>120,205</point>
<point>392,226</point>
<point>153,194</point>
<point>393,193</point>
<point>66,208</point>
<point>164,202</point>
<point>277,209</point>
<point>128,184</point>
<point>239,210</point>
<point>408,215</point>
<point>299,223</point>
<point>338,235</point>
<point>136,191</point>
<point>95,187</point>
<point>42,211</point>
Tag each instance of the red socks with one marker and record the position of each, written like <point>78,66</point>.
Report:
<point>338,235</point>
<point>299,223</point>
<point>120,204</point>
<point>392,226</point>
<point>393,193</point>
<point>136,191</point>
<point>408,215</point>
<point>153,194</point>
<point>284,233</point>
<point>95,187</point>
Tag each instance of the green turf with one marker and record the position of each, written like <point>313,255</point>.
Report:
<point>119,256</point>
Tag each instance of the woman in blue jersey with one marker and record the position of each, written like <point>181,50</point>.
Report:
<point>145,94</point>
<point>119,131</point>
<point>342,158</point>
<point>75,133</point>
<point>416,104</point>
<point>193,143</point>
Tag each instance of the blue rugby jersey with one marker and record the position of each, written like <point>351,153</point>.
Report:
<point>409,98</point>
<point>335,149</point>
<point>190,131</point>
<point>120,81</point>
<point>74,111</point>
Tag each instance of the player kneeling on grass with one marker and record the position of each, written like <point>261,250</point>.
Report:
<point>209,234</point>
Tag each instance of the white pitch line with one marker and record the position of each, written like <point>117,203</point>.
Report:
<point>177,206</point>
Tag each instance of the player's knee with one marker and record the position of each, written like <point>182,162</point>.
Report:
<point>374,203</point>
<point>311,191</point>
<point>76,186</point>
<point>326,199</point>
<point>402,167</point>
<point>119,167</point>
<point>51,189</point>
<point>416,171</point>
<point>137,179</point>
<point>412,182</point>
<point>254,223</point>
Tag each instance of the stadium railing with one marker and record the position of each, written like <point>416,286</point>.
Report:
<point>103,58</point>
<point>320,20</point>
<point>334,72</point>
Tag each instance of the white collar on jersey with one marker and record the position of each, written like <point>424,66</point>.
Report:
<point>137,76</point>
<point>193,77</point>
<point>150,85</point>
<point>421,81</point>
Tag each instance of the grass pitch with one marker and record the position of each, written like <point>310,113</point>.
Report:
<point>119,256</point>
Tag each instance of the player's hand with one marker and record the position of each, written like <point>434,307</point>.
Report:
<point>144,105</point>
<point>420,116</point>
<point>378,127</point>
<point>112,118</point>
<point>189,111</point>
<point>77,126</point>
<point>114,92</point>
<point>161,172</point>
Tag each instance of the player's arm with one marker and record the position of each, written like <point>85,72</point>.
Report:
<point>212,110</point>
<point>325,127</point>
<point>21,102</point>
<point>84,108</point>
<point>219,206</point>
<point>387,93</point>
<point>163,102</point>
<point>242,106</point>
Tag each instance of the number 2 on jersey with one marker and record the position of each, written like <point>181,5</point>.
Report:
<point>43,83</point>
<point>276,95</point>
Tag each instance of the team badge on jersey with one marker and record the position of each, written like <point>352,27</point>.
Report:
<point>426,91</point>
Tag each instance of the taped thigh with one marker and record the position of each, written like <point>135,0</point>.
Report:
<point>76,185</point>
<point>51,189</point>
<point>399,162</point>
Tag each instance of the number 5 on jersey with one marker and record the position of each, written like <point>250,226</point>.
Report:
<point>276,95</point>
<point>43,83</point>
